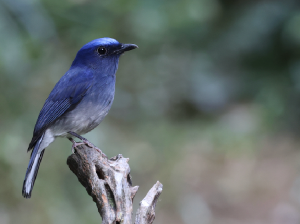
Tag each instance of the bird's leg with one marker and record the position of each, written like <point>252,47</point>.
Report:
<point>84,141</point>
<point>75,144</point>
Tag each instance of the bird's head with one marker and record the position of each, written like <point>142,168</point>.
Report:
<point>101,53</point>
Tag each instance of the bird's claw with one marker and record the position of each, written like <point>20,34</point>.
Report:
<point>89,144</point>
<point>75,144</point>
<point>85,142</point>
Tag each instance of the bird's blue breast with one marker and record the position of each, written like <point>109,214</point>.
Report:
<point>101,93</point>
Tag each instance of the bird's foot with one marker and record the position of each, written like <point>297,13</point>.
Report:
<point>91,145</point>
<point>84,141</point>
<point>75,144</point>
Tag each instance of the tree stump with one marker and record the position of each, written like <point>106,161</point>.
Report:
<point>108,182</point>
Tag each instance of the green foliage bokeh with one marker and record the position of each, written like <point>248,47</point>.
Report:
<point>208,105</point>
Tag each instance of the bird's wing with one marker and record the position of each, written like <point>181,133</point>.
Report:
<point>67,93</point>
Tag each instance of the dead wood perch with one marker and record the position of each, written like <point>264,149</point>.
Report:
<point>108,182</point>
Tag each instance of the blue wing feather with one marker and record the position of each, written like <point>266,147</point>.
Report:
<point>66,94</point>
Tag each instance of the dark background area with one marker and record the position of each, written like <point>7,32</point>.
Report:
<point>209,105</point>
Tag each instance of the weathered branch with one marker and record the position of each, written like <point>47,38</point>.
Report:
<point>146,211</point>
<point>108,182</point>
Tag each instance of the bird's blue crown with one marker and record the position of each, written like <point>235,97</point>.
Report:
<point>105,41</point>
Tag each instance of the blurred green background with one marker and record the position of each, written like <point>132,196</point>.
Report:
<point>209,105</point>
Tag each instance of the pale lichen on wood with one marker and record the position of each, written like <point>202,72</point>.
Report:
<point>109,183</point>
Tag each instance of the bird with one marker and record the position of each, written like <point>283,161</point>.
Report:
<point>78,102</point>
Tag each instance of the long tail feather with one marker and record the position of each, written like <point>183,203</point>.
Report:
<point>33,168</point>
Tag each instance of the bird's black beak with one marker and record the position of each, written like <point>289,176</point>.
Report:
<point>129,47</point>
<point>126,47</point>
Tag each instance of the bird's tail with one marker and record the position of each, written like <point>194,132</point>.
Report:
<point>33,168</point>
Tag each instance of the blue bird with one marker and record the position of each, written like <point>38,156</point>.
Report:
<point>78,102</point>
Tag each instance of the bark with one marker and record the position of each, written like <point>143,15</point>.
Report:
<point>108,182</point>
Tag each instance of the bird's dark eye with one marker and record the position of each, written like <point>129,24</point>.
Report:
<point>101,50</point>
